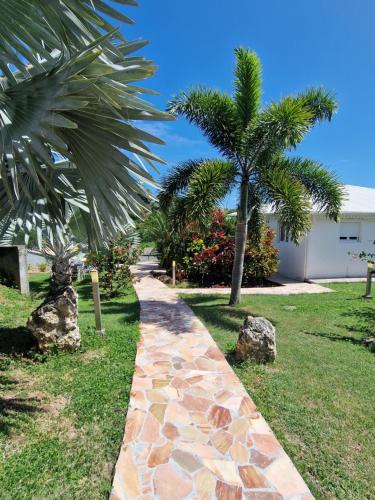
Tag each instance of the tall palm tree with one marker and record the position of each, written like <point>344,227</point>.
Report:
<point>252,140</point>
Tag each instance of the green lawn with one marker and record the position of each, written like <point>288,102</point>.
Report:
<point>319,395</point>
<point>62,416</point>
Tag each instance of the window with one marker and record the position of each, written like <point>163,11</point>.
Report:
<point>349,231</point>
<point>283,233</point>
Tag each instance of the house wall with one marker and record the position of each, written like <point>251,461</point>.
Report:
<point>292,257</point>
<point>322,254</point>
<point>327,255</point>
<point>35,259</point>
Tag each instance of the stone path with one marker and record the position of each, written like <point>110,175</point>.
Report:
<point>288,287</point>
<point>192,431</point>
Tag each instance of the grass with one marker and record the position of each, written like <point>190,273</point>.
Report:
<point>62,416</point>
<point>182,284</point>
<point>319,395</point>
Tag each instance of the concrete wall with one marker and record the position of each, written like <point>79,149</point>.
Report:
<point>327,255</point>
<point>13,266</point>
<point>292,257</point>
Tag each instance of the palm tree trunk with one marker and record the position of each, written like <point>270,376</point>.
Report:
<point>54,324</point>
<point>240,243</point>
<point>61,272</point>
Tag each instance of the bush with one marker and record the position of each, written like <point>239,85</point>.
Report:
<point>209,258</point>
<point>213,265</point>
<point>261,261</point>
<point>42,267</point>
<point>113,264</point>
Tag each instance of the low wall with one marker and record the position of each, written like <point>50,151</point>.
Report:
<point>13,267</point>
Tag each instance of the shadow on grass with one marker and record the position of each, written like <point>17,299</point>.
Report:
<point>16,341</point>
<point>221,314</point>
<point>84,289</point>
<point>230,356</point>
<point>12,407</point>
<point>336,338</point>
<point>39,288</point>
<point>364,320</point>
<point>129,313</point>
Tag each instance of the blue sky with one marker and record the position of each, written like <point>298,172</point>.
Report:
<point>300,42</point>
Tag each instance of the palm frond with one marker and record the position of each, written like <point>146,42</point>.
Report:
<point>325,191</point>
<point>213,112</point>
<point>290,200</point>
<point>209,184</point>
<point>256,217</point>
<point>79,109</point>
<point>46,217</point>
<point>281,126</point>
<point>321,103</point>
<point>31,29</point>
<point>177,181</point>
<point>248,85</point>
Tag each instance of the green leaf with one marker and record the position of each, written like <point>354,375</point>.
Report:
<point>248,85</point>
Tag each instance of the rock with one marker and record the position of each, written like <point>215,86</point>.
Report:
<point>257,340</point>
<point>54,323</point>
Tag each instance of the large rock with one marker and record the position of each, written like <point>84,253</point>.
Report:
<point>257,340</point>
<point>54,323</point>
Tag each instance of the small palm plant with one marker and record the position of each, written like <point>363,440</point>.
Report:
<point>252,140</point>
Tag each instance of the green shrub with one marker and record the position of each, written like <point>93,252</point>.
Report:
<point>113,264</point>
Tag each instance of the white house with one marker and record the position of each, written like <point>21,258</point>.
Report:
<point>324,252</point>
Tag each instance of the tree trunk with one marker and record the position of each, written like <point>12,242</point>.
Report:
<point>240,244</point>
<point>54,323</point>
<point>61,273</point>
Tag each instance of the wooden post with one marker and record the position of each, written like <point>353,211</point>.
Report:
<point>173,273</point>
<point>96,296</point>
<point>370,270</point>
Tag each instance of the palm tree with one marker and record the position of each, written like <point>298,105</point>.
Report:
<point>68,92</point>
<point>252,140</point>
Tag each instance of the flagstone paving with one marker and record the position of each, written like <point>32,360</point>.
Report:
<point>192,431</point>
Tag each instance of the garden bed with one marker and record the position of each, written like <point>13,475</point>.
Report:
<point>318,397</point>
<point>62,416</point>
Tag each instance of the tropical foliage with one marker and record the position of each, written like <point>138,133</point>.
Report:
<point>209,257</point>
<point>67,92</point>
<point>253,140</point>
<point>113,264</point>
<point>163,228</point>
<point>204,249</point>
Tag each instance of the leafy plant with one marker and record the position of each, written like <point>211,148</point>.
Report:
<point>113,264</point>
<point>205,255</point>
<point>363,256</point>
<point>211,264</point>
<point>42,267</point>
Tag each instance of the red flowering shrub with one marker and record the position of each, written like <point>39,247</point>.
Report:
<point>209,259</point>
